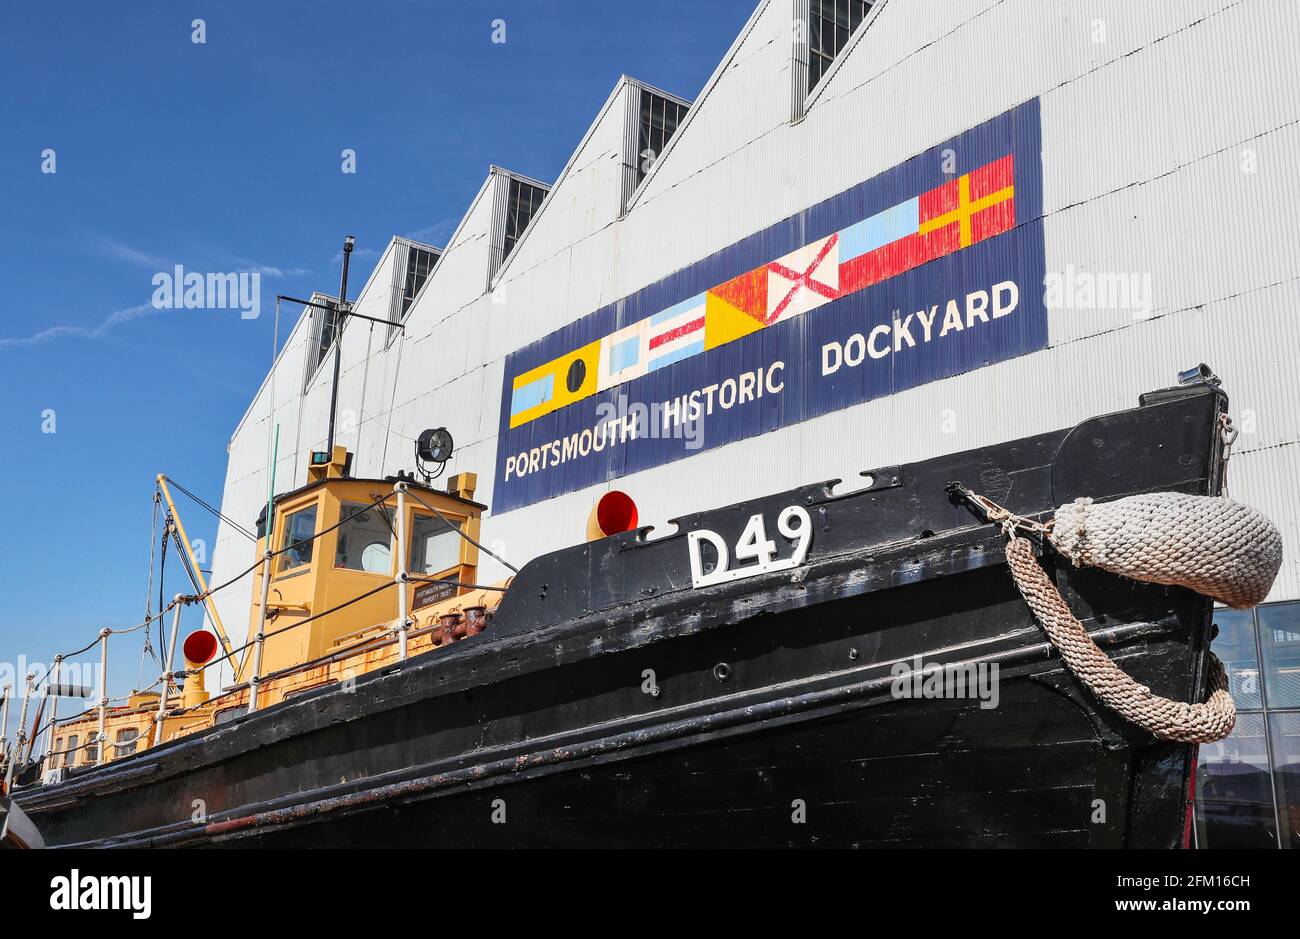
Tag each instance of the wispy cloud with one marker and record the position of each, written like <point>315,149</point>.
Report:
<point>358,254</point>
<point>112,321</point>
<point>269,270</point>
<point>211,258</point>
<point>115,250</point>
<point>435,233</point>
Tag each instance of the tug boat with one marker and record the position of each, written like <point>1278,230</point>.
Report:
<point>714,686</point>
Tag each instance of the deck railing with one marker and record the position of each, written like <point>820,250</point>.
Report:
<point>10,757</point>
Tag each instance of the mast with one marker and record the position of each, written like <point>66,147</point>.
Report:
<point>339,319</point>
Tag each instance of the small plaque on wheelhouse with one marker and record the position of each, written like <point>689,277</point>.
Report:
<point>429,594</point>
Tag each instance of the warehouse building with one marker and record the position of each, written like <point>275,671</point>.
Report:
<point>954,222</point>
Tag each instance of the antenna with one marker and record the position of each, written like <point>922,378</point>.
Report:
<point>348,243</point>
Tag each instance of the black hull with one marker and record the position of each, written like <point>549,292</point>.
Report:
<point>798,741</point>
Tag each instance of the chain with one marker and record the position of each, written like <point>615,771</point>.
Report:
<point>992,512</point>
<point>1228,435</point>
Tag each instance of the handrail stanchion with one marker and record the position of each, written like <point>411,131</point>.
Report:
<point>169,653</point>
<point>52,686</point>
<point>103,700</point>
<point>162,708</point>
<point>4,723</point>
<point>260,638</point>
<point>403,577</point>
<point>21,737</point>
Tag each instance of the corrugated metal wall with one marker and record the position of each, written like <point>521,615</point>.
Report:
<point>1169,134</point>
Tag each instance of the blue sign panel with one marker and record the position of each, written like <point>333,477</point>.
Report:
<point>931,269</point>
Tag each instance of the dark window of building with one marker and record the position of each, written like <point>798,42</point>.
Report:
<point>326,323</point>
<point>70,756</point>
<point>523,202</point>
<point>92,751</point>
<point>830,24</point>
<point>1234,794</point>
<point>1285,731</point>
<point>1279,640</point>
<point>1248,785</point>
<point>419,263</point>
<point>1235,647</point>
<point>659,120</point>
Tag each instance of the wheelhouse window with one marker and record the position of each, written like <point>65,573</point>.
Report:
<point>435,545</point>
<point>364,540</point>
<point>830,24</point>
<point>296,539</point>
<point>126,738</point>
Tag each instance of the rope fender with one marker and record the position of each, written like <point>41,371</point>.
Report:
<point>1215,546</point>
<point>1210,544</point>
<point>1162,717</point>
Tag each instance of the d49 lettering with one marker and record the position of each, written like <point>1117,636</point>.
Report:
<point>755,551</point>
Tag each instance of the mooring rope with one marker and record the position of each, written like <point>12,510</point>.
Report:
<point>1215,546</point>
<point>1163,717</point>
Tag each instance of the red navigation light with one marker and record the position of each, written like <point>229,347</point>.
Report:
<point>615,512</point>
<point>199,647</point>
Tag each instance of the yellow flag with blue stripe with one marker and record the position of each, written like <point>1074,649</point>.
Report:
<point>558,383</point>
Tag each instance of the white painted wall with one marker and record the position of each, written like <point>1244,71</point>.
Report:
<point>1148,137</point>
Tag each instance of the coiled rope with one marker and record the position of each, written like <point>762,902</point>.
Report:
<point>1163,717</point>
<point>1220,548</point>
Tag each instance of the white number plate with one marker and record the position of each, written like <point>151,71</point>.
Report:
<point>793,523</point>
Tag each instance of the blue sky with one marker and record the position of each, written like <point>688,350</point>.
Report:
<point>225,156</point>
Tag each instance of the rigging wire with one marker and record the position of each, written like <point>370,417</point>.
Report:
<point>458,531</point>
<point>388,521</point>
<point>153,542</point>
<point>189,570</point>
<point>302,622</point>
<point>225,518</point>
<point>162,578</point>
<point>148,593</point>
<point>165,608</point>
<point>392,399</point>
<point>365,377</point>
